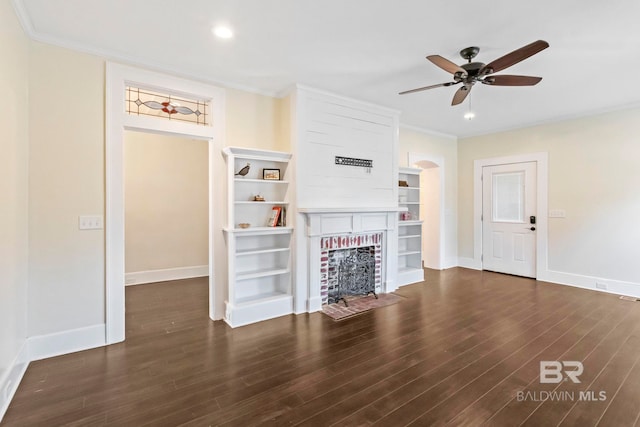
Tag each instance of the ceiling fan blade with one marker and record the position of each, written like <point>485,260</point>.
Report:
<point>509,80</point>
<point>428,87</point>
<point>445,64</point>
<point>514,57</point>
<point>461,94</point>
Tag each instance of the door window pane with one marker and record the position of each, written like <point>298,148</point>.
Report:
<point>508,197</point>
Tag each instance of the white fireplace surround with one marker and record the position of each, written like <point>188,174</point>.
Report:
<point>324,222</point>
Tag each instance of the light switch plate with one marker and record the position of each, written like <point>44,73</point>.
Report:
<point>90,222</point>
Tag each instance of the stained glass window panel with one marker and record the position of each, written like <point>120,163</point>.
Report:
<point>149,103</point>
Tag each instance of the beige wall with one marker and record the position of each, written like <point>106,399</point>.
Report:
<point>166,202</point>
<point>413,141</point>
<point>66,265</point>
<point>66,100</point>
<point>13,188</point>
<point>593,175</point>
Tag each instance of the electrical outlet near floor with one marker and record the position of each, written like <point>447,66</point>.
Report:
<point>600,285</point>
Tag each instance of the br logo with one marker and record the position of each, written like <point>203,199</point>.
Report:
<point>553,371</point>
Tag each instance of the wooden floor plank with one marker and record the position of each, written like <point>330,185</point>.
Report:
<point>454,350</point>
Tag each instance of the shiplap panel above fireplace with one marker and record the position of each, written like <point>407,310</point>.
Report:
<point>327,126</point>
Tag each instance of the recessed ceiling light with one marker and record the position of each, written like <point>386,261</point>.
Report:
<point>223,32</point>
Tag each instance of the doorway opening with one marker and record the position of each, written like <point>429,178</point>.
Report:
<point>166,208</point>
<point>431,208</point>
<point>118,120</point>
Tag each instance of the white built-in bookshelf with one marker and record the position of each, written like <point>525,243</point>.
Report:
<point>409,228</point>
<point>259,255</point>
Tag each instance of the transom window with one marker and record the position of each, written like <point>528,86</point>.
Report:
<point>149,103</point>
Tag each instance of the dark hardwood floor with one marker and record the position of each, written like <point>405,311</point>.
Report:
<point>459,350</point>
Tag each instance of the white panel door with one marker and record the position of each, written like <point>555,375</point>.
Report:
<point>508,218</point>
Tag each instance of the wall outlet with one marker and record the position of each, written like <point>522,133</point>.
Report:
<point>600,285</point>
<point>90,222</point>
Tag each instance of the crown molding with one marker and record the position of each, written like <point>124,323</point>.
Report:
<point>428,131</point>
<point>107,55</point>
<point>555,120</point>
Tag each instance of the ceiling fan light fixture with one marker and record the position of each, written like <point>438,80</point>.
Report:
<point>469,115</point>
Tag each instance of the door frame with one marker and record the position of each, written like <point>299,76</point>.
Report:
<point>542,172</point>
<point>116,122</point>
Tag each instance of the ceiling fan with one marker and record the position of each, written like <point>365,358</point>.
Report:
<point>473,72</point>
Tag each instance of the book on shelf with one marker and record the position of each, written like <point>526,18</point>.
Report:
<point>275,215</point>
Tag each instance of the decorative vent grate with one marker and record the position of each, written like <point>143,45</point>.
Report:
<point>145,102</point>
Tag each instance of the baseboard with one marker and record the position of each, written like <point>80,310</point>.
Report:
<point>12,377</point>
<point>469,263</point>
<point>593,283</point>
<point>151,276</point>
<point>43,346</point>
<point>449,263</point>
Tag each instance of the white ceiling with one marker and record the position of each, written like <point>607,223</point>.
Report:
<point>372,49</point>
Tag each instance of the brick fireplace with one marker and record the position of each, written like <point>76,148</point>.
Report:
<point>335,251</point>
<point>328,230</point>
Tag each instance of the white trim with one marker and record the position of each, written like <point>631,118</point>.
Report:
<point>556,119</point>
<point>428,132</point>
<point>617,287</point>
<point>70,341</point>
<point>542,169</point>
<point>12,376</point>
<point>471,263</point>
<point>108,55</point>
<point>164,275</point>
<point>117,121</point>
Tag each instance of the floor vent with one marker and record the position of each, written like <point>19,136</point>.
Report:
<point>627,298</point>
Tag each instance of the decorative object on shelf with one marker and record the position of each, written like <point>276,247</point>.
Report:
<point>402,183</point>
<point>275,215</point>
<point>271,174</point>
<point>244,171</point>
<point>282,219</point>
<point>259,277</point>
<point>405,216</point>
<point>351,161</point>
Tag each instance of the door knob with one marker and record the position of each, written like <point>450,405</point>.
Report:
<point>532,229</point>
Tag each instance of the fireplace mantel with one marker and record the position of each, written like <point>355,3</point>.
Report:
<point>342,223</point>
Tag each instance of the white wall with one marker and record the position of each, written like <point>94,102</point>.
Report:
<point>593,176</point>
<point>14,152</point>
<point>166,202</point>
<point>329,126</point>
<point>446,149</point>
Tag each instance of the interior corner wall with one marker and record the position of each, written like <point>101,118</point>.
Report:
<point>593,176</point>
<point>14,151</point>
<point>66,179</point>
<point>253,120</point>
<point>166,203</point>
<point>415,141</point>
